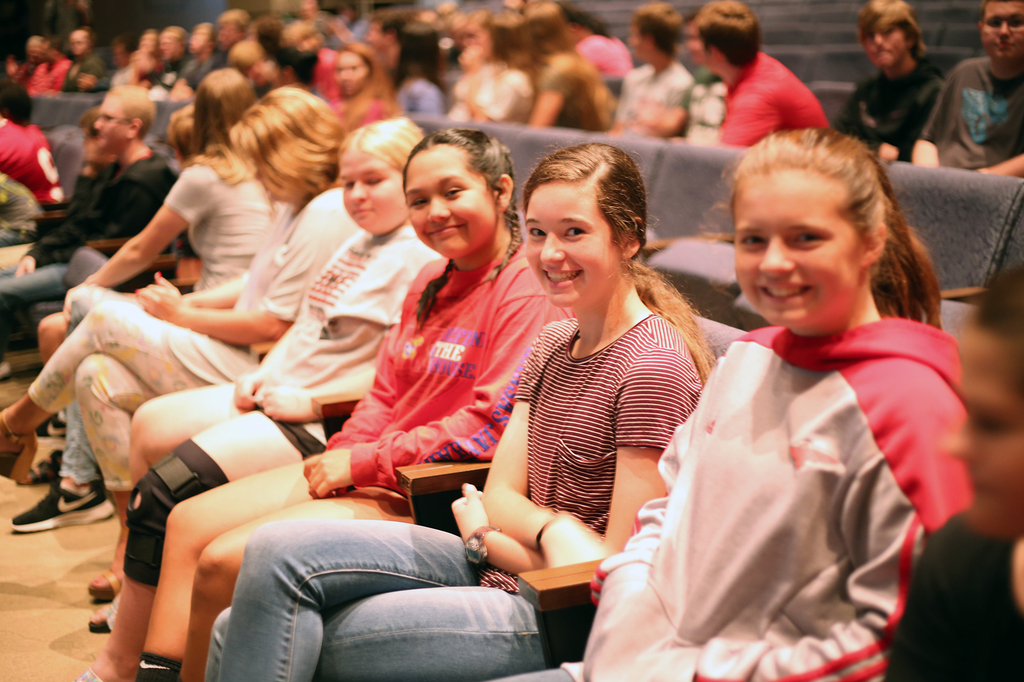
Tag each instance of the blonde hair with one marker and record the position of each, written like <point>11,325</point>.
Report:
<point>178,32</point>
<point>621,198</point>
<point>136,105</point>
<point>181,132</point>
<point>239,17</point>
<point>882,15</point>
<point>244,55</point>
<point>291,138</point>
<point>298,32</point>
<point>221,100</point>
<point>903,282</point>
<point>547,26</point>
<point>207,28</point>
<point>390,140</point>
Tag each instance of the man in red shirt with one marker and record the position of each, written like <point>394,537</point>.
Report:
<point>35,51</point>
<point>24,151</point>
<point>763,95</point>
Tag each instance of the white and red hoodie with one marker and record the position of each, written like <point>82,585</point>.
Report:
<point>800,493</point>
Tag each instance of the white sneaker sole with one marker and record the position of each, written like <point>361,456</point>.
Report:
<point>76,518</point>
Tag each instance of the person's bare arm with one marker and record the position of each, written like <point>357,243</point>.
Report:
<point>224,295</point>
<point>140,250</point>
<point>925,154</point>
<point>546,109</point>
<point>238,327</point>
<point>1012,167</point>
<point>565,539</point>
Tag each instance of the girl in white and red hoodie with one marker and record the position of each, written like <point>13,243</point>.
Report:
<point>802,488</point>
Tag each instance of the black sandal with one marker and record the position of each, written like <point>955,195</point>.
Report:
<point>46,471</point>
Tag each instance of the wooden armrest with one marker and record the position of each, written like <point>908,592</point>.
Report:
<point>549,589</point>
<point>55,206</point>
<point>51,218</point>
<point>341,408</point>
<point>965,294</point>
<point>107,247</point>
<point>435,477</point>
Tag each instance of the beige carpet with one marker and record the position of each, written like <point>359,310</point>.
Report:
<point>44,605</point>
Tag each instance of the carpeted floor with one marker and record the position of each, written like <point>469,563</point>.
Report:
<point>44,605</point>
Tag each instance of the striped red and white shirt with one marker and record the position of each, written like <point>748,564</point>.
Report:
<point>632,393</point>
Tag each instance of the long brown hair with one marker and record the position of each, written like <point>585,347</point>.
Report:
<point>221,99</point>
<point>553,46</point>
<point>489,158</point>
<point>622,200</point>
<point>378,87</point>
<point>903,282</point>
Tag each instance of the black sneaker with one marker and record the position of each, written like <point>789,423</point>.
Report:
<point>63,508</point>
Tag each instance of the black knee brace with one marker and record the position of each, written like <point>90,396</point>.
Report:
<point>184,473</point>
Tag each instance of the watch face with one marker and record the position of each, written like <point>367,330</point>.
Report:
<point>476,552</point>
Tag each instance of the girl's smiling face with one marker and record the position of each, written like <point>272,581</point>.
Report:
<point>799,259</point>
<point>570,247</point>
<point>453,209</point>
<point>373,192</point>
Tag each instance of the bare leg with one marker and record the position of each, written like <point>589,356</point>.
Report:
<point>51,332</point>
<point>165,422</point>
<point>195,523</point>
<point>22,418</point>
<point>119,659</point>
<point>117,565</point>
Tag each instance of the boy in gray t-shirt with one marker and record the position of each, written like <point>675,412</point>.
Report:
<point>976,122</point>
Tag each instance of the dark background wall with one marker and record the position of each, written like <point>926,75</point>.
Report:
<point>21,18</point>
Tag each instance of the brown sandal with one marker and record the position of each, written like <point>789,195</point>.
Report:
<point>16,465</point>
<point>110,591</point>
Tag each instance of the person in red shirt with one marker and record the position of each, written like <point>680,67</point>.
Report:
<point>24,151</point>
<point>763,95</point>
<point>48,77</point>
<point>35,51</point>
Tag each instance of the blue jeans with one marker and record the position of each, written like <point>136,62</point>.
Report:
<point>18,293</point>
<point>367,600</point>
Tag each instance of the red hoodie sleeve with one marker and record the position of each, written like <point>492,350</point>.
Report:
<point>472,431</point>
<point>376,408</point>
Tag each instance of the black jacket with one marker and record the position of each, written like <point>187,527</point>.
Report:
<point>119,206</point>
<point>893,111</point>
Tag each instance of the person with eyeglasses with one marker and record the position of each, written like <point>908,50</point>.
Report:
<point>125,197</point>
<point>976,122</point>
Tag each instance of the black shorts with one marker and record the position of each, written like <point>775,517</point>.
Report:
<point>302,440</point>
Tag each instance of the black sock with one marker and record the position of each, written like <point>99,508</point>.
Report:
<point>156,668</point>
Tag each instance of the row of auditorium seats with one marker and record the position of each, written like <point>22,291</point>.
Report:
<point>67,108</point>
<point>972,224</point>
<point>818,40</point>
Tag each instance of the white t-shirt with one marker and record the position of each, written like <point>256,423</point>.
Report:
<point>296,248</point>
<point>504,94</point>
<point>347,308</point>
<point>644,88</point>
<point>227,223</point>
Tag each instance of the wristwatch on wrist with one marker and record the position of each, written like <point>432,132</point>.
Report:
<point>476,550</point>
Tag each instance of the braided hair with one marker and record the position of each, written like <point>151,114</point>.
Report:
<point>489,158</point>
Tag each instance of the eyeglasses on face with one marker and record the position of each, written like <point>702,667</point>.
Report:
<point>106,118</point>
